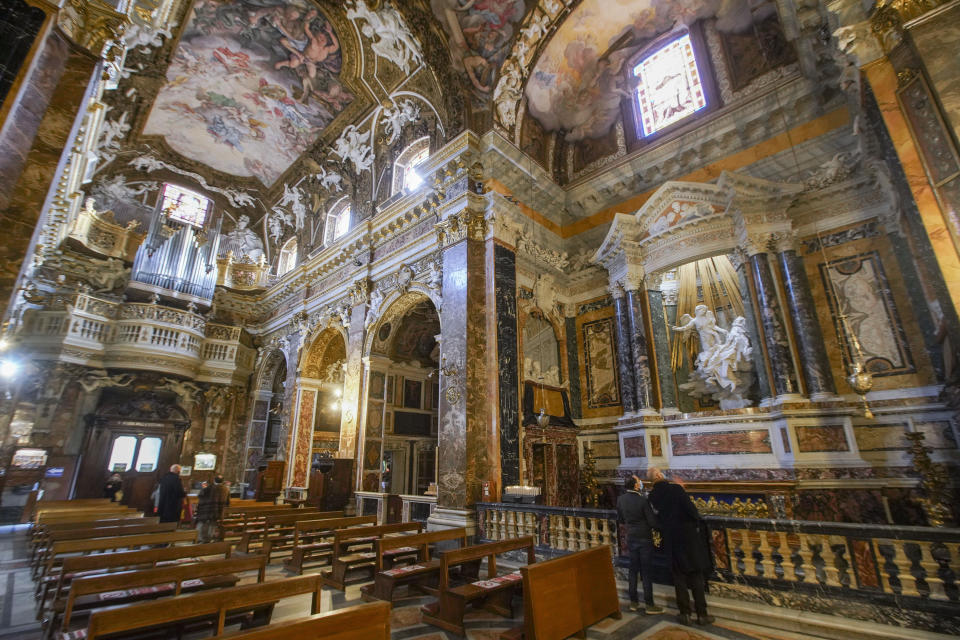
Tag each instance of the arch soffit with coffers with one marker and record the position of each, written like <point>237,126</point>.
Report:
<point>319,345</point>
<point>268,369</point>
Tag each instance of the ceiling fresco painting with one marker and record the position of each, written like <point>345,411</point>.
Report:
<point>578,81</point>
<point>481,32</point>
<point>251,86</point>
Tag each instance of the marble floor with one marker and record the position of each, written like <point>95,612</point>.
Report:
<point>17,610</point>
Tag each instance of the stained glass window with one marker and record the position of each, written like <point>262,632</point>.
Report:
<point>185,206</point>
<point>669,87</point>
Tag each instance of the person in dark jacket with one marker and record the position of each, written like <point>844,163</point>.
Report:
<point>633,509</point>
<point>170,495</point>
<point>683,540</point>
<point>210,504</point>
<point>113,487</point>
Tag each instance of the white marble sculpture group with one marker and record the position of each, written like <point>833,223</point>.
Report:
<point>723,368</point>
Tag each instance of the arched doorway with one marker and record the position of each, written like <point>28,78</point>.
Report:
<point>399,452</point>
<point>138,435</point>
<point>319,393</point>
<point>267,414</point>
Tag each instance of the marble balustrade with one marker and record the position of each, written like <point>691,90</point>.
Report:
<point>915,568</point>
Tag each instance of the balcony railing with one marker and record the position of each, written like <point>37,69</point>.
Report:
<point>914,568</point>
<point>102,333</point>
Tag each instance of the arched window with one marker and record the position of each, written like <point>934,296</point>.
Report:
<point>669,85</point>
<point>184,205</point>
<point>338,222</point>
<point>288,257</point>
<point>405,176</point>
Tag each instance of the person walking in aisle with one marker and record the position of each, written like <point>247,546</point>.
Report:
<point>170,495</point>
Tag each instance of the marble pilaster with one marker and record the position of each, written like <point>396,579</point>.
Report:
<point>661,349</point>
<point>505,283</point>
<point>573,367</point>
<point>813,355</point>
<point>353,376</point>
<point>774,329</point>
<point>302,437</point>
<point>468,442</point>
<point>642,379</point>
<point>628,388</point>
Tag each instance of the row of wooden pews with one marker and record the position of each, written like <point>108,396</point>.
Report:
<point>104,572</point>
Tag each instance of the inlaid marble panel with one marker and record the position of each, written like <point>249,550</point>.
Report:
<point>603,449</point>
<point>721,443</point>
<point>880,437</point>
<point>633,447</point>
<point>573,365</point>
<point>865,299</point>
<point>938,434</point>
<point>821,438</point>
<point>600,363</point>
<point>656,446</point>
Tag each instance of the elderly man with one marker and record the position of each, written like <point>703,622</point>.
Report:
<point>690,558</point>
<point>170,495</point>
<point>634,510</point>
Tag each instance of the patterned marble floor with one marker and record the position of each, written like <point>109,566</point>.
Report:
<point>17,610</point>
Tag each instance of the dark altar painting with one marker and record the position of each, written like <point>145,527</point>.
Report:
<point>864,297</point>
<point>376,384</point>
<point>600,362</point>
<point>412,393</point>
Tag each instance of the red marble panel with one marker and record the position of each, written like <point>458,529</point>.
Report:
<point>822,438</point>
<point>718,540</point>
<point>633,447</point>
<point>785,437</point>
<point>865,564</point>
<point>721,442</point>
<point>301,455</point>
<point>656,446</point>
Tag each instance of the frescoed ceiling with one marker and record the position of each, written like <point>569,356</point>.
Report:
<point>251,86</point>
<point>577,83</point>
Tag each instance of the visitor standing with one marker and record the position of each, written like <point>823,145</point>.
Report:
<point>633,509</point>
<point>681,525</point>
<point>113,487</point>
<point>170,495</point>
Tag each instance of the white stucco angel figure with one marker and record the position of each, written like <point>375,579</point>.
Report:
<point>109,274</point>
<point>330,180</point>
<point>731,356</point>
<point>398,115</point>
<point>276,221</point>
<point>100,379</point>
<point>293,198</point>
<point>185,390</point>
<point>723,366</point>
<point>350,145</point>
<point>388,35</point>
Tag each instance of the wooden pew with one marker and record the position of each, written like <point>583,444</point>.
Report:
<point>360,622</point>
<point>38,532</point>
<point>84,517</point>
<point>279,524</point>
<point>344,562</point>
<point>425,569</point>
<point>214,608</point>
<point>494,593</point>
<point>236,524</point>
<point>134,527</point>
<point>564,596</point>
<point>63,515</point>
<point>307,542</point>
<point>60,550</point>
<point>235,510</point>
<point>79,566</point>
<point>112,589</point>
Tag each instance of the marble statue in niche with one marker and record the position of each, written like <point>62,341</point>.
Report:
<point>723,368</point>
<point>541,353</point>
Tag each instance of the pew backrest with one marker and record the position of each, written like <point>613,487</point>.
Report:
<point>488,550</point>
<point>563,596</point>
<point>111,531</point>
<point>211,603</point>
<point>378,531</point>
<point>419,540</point>
<point>175,575</point>
<point>360,622</point>
<point>274,520</point>
<point>329,524</point>
<point>65,547</point>
<point>137,518</point>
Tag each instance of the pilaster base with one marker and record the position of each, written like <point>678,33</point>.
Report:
<point>446,518</point>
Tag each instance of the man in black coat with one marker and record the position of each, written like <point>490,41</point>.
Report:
<point>634,510</point>
<point>170,496</point>
<point>681,526</point>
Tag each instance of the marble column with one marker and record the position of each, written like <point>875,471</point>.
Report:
<point>774,328</point>
<point>625,365</point>
<point>508,375</point>
<point>644,391</point>
<point>813,354</point>
<point>759,362</point>
<point>302,436</point>
<point>661,349</point>
<point>468,444</point>
<point>573,367</point>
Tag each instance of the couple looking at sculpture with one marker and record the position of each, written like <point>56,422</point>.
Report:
<point>668,509</point>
